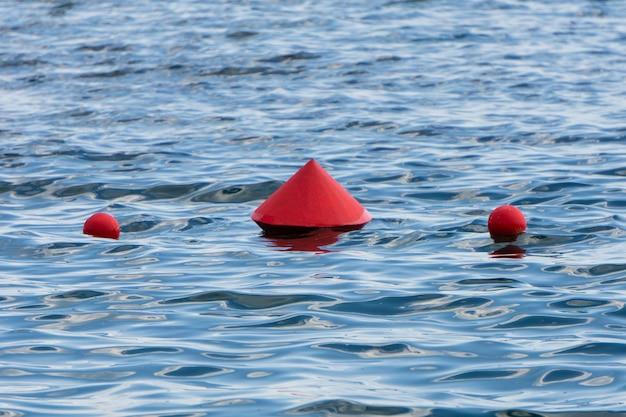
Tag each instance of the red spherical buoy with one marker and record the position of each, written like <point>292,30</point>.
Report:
<point>506,223</point>
<point>102,225</point>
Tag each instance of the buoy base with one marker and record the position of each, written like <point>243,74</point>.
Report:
<point>505,238</point>
<point>274,230</point>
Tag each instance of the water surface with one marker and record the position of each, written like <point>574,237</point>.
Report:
<point>180,117</point>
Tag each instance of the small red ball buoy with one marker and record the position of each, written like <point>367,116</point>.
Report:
<point>102,225</point>
<point>506,223</point>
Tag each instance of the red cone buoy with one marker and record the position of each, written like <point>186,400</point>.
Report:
<point>506,223</point>
<point>102,225</point>
<point>310,199</point>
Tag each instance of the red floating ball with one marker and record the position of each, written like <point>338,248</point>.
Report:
<point>506,223</point>
<point>102,225</point>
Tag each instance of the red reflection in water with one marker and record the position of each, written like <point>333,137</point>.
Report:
<point>509,251</point>
<point>311,241</point>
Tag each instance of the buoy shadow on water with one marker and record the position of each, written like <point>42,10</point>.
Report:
<point>509,251</point>
<point>305,239</point>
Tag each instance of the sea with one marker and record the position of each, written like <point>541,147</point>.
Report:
<point>180,117</point>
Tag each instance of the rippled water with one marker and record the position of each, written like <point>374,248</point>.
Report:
<point>180,117</point>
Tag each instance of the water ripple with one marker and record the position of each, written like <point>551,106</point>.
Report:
<point>180,117</point>
<point>246,301</point>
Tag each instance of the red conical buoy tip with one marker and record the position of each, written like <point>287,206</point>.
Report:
<point>310,199</point>
<point>506,223</point>
<point>102,225</point>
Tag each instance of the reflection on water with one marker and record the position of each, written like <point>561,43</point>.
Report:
<point>311,241</point>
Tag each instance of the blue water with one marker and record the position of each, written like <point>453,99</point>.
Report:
<point>180,117</point>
